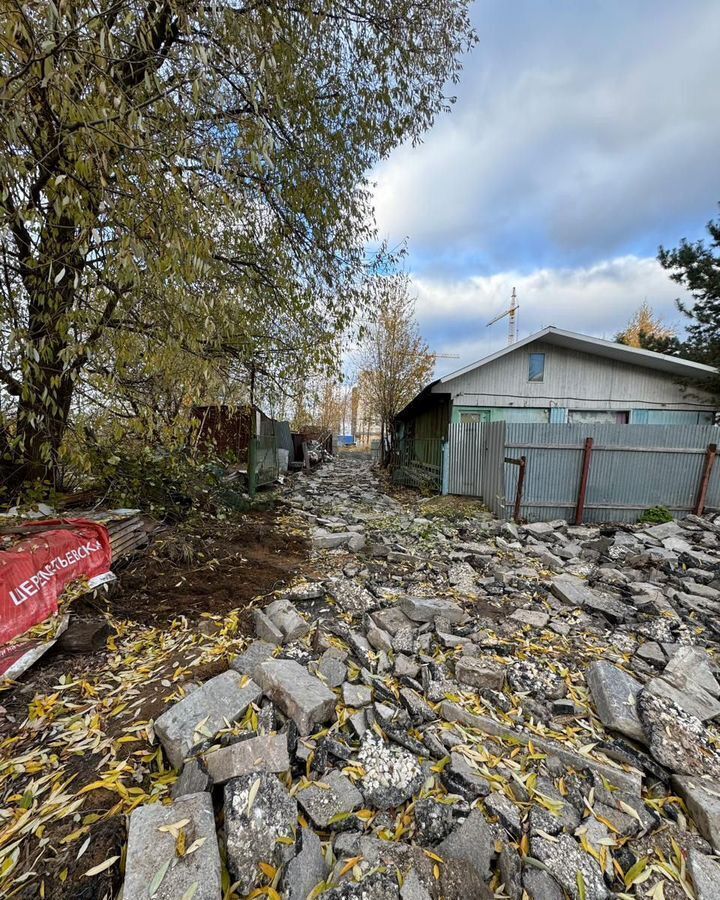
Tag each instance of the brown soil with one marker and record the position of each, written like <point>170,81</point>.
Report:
<point>210,568</point>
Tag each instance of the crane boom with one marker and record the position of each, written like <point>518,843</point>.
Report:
<point>512,318</point>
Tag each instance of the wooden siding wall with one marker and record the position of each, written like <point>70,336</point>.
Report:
<point>571,379</point>
<point>433,423</point>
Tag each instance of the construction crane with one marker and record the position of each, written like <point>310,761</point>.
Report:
<point>511,313</point>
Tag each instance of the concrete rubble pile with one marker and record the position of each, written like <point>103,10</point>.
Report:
<point>455,708</point>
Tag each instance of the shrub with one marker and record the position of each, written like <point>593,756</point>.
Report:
<point>656,515</point>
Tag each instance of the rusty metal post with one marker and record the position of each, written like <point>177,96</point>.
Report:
<point>520,486</point>
<point>252,453</point>
<point>584,477</point>
<point>710,455</point>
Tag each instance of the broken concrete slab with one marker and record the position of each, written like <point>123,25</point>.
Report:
<point>193,779</point>
<point>391,619</point>
<point>306,870</point>
<point>472,843</point>
<point>535,618</point>
<point>676,740</point>
<point>691,665</point>
<point>350,597</point>
<point>265,629</point>
<point>331,667</point>
<point>540,885</point>
<point>628,780</point>
<point>205,712</point>
<point>286,619</point>
<point>702,799</point>
<point>152,846</point>
<point>356,695</point>
<point>392,775</point>
<point>427,609</point>
<point>614,693</point>
<point>705,875</point>
<point>328,540</point>
<point>329,799</point>
<point>564,858</point>
<point>691,698</point>
<point>613,610</point>
<point>461,777</point>
<point>300,695</point>
<point>259,816</point>
<point>506,812</point>
<point>264,753</point>
<point>664,530</point>
<point>570,589</point>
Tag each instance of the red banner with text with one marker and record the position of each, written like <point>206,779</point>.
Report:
<point>35,571</point>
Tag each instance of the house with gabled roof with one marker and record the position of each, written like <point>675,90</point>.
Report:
<point>558,376</point>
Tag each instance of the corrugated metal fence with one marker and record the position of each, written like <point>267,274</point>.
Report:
<point>627,469</point>
<point>473,453</point>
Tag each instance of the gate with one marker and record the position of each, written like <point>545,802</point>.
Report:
<point>466,447</point>
<point>475,454</point>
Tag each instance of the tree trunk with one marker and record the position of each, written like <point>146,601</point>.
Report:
<point>47,383</point>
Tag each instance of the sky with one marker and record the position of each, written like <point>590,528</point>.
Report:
<point>585,134</point>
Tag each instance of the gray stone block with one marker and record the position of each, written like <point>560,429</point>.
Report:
<point>193,779</point>
<point>391,619</point>
<point>265,629</point>
<point>565,858</point>
<point>472,843</point>
<point>356,695</point>
<point>149,849</point>
<point>614,693</point>
<point>692,698</point>
<point>256,653</point>
<point>691,665</point>
<point>331,666</point>
<point>427,609</point>
<point>306,870</point>
<point>199,717</point>
<point>533,617</point>
<point>702,799</point>
<point>264,753</point>
<point>258,811</point>
<point>479,673</point>
<point>301,696</point>
<point>286,619</point>
<point>571,589</point>
<point>705,875</point>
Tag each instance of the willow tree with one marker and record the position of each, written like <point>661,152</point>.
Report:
<point>194,175</point>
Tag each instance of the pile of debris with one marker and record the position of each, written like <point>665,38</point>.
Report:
<point>455,708</point>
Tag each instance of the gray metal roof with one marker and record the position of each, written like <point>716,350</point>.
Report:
<point>682,368</point>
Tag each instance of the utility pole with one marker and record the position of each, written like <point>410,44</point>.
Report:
<point>511,313</point>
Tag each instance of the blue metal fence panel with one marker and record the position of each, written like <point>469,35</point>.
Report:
<point>633,467</point>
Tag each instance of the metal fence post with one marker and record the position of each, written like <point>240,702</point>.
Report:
<point>445,458</point>
<point>584,477</point>
<point>520,487</point>
<point>252,454</point>
<point>710,455</point>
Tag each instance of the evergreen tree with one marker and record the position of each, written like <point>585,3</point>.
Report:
<point>695,265</point>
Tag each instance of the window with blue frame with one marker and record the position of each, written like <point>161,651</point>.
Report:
<point>536,367</point>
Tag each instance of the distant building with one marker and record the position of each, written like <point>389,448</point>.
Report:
<point>560,377</point>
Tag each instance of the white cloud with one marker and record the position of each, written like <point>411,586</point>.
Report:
<point>582,131</point>
<point>596,300</point>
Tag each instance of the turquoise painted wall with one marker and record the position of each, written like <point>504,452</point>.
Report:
<point>500,414</point>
